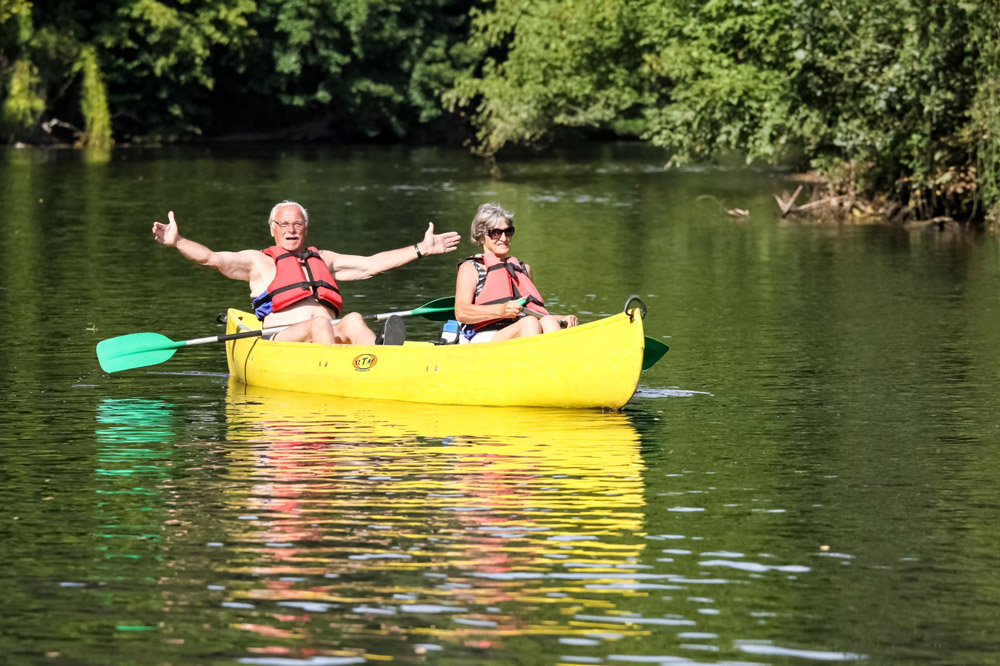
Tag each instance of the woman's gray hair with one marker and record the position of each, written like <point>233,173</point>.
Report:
<point>488,217</point>
<point>274,211</point>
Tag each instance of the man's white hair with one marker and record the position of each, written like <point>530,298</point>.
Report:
<point>274,211</point>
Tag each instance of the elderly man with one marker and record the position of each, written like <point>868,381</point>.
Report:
<point>295,285</point>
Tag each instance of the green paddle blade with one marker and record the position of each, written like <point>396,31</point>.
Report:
<point>441,309</point>
<point>438,314</point>
<point>653,352</point>
<point>135,351</point>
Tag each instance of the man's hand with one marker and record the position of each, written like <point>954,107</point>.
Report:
<point>438,243</point>
<point>166,233</point>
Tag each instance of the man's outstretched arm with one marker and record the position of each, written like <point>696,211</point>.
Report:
<point>353,267</point>
<point>235,265</point>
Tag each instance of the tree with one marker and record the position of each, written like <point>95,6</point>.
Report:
<point>877,94</point>
<point>351,68</point>
<point>548,64</point>
<point>23,100</point>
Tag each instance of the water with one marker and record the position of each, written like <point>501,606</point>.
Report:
<point>806,477</point>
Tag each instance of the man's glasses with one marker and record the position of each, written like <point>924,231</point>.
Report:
<point>295,226</point>
<point>495,234</point>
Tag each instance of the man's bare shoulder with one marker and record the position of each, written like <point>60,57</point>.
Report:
<point>246,258</point>
<point>253,255</point>
<point>251,265</point>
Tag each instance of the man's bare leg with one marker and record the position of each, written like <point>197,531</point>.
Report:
<point>352,329</point>
<point>317,329</point>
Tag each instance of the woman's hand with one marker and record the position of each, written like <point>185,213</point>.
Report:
<point>568,321</point>
<point>511,309</point>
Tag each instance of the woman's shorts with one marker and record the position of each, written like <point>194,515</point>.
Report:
<point>485,336</point>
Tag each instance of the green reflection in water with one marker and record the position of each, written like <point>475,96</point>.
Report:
<point>134,461</point>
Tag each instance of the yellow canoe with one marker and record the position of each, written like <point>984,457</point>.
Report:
<point>591,365</point>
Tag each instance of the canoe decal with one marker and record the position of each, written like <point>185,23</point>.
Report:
<point>364,362</point>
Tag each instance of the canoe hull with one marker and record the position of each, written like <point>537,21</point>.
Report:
<point>592,365</point>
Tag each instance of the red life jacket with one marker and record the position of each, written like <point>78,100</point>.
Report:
<point>294,281</point>
<point>502,281</point>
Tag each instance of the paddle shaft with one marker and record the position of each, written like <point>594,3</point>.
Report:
<point>137,350</point>
<point>235,336</point>
<point>275,329</point>
<point>441,305</point>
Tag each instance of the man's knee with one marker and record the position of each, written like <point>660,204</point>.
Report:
<point>352,324</point>
<point>321,330</point>
<point>352,328</point>
<point>352,319</point>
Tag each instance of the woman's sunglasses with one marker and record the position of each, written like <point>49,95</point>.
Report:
<point>495,234</point>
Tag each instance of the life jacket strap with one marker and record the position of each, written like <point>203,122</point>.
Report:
<point>312,286</point>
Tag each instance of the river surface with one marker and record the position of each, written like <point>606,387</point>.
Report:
<point>808,476</point>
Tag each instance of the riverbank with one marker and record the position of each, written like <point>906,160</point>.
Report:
<point>823,199</point>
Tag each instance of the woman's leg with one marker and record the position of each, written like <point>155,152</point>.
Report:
<point>549,324</point>
<point>522,328</point>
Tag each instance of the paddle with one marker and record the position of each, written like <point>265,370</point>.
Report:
<point>652,352</point>
<point>138,350</point>
<point>440,309</point>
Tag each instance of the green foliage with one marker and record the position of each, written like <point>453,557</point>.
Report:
<point>905,85</point>
<point>889,96</point>
<point>547,64</point>
<point>722,73</point>
<point>15,25</point>
<point>19,80</point>
<point>24,104</point>
<point>878,89</point>
<point>94,101</point>
<point>985,127</point>
<point>159,59</point>
<point>364,67</point>
<point>176,69</point>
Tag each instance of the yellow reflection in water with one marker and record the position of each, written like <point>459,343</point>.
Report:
<point>390,509</point>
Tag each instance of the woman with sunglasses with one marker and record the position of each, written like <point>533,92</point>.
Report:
<point>492,286</point>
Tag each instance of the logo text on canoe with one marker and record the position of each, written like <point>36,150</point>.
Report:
<point>364,362</point>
